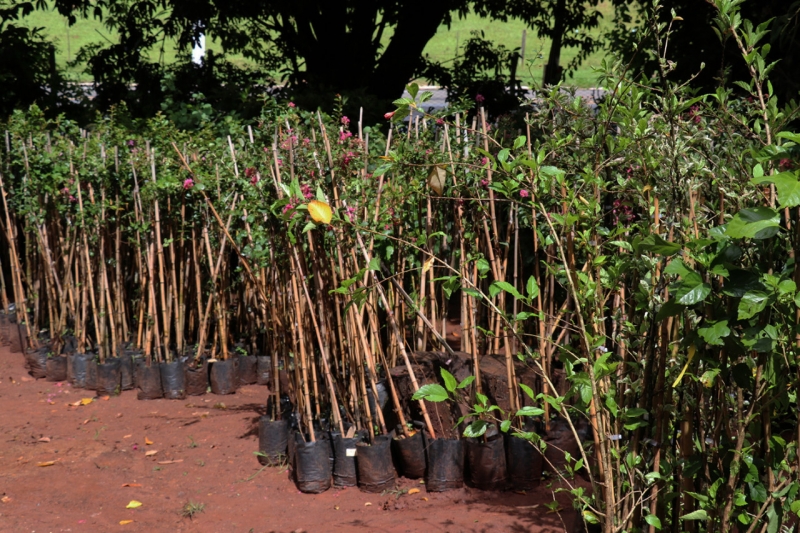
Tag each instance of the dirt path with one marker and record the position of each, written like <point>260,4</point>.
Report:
<point>205,456</point>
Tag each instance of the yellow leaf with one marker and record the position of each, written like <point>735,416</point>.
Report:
<point>133,505</point>
<point>147,441</point>
<point>46,463</point>
<point>86,401</point>
<point>124,522</point>
<point>437,178</point>
<point>320,212</point>
<point>692,349</point>
<point>425,499</point>
<point>151,452</point>
<point>413,491</point>
<point>368,503</point>
<point>428,264</point>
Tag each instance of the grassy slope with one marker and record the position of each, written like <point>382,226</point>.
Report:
<point>441,48</point>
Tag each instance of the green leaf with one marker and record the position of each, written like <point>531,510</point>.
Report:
<point>714,333</point>
<point>670,308</point>
<point>527,390</point>
<point>498,286</point>
<point>481,398</point>
<point>752,302</point>
<point>529,410</point>
<point>476,429</point>
<point>657,245</point>
<point>374,264</point>
<point>690,295</point>
<point>758,493</point>
<point>653,520</point>
<point>787,185</point>
<point>505,425</point>
<point>754,223</point>
<point>432,392</point>
<point>700,514</point>
<point>450,382</point>
<point>466,383</point>
<point>532,288</point>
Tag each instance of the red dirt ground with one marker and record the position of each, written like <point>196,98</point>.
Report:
<point>99,447</point>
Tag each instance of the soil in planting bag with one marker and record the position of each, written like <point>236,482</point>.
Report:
<point>108,377</point>
<point>292,445</point>
<point>524,463</point>
<point>375,468</point>
<point>248,373</point>
<point>487,463</point>
<point>344,461</point>
<point>412,455</point>
<point>126,371</point>
<point>383,397</point>
<point>196,377</point>
<point>57,368</point>
<point>15,338</point>
<point>224,376</point>
<point>70,345</point>
<point>148,379</point>
<point>70,367</point>
<point>264,370</point>
<point>273,441</point>
<point>173,380</point>
<point>36,361</point>
<point>80,370</point>
<point>445,464</point>
<point>91,373</point>
<point>3,329</point>
<point>312,465</point>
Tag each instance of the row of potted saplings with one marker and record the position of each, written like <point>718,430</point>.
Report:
<point>495,461</point>
<point>175,378</point>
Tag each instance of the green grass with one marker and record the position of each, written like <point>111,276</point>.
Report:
<point>441,48</point>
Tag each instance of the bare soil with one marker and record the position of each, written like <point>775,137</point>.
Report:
<point>101,461</point>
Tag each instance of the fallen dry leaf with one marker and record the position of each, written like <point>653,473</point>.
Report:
<point>46,463</point>
<point>131,484</point>
<point>5,499</point>
<point>424,499</point>
<point>203,413</point>
<point>170,462</point>
<point>133,505</point>
<point>413,491</point>
<point>368,503</point>
<point>127,436</point>
<point>124,522</point>
<point>151,452</point>
<point>220,405</point>
<point>86,401</point>
<point>105,398</point>
<point>44,439</point>
<point>147,441</point>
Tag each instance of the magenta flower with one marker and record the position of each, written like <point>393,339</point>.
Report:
<point>484,183</point>
<point>188,184</point>
<point>291,104</point>
<point>388,115</point>
<point>479,98</point>
<point>287,208</point>
<point>439,121</point>
<point>484,161</point>
<point>524,193</point>
<point>306,190</point>
<point>345,121</point>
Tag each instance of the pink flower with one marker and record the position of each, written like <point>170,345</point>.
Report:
<point>388,115</point>
<point>524,193</point>
<point>343,135</point>
<point>785,164</point>
<point>345,121</point>
<point>254,179</point>
<point>306,141</point>
<point>479,98</point>
<point>72,199</point>
<point>350,213</point>
<point>439,121</point>
<point>349,157</point>
<point>291,104</point>
<point>188,184</point>
<point>484,161</point>
<point>484,183</point>
<point>287,208</point>
<point>694,113</point>
<point>306,190</point>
